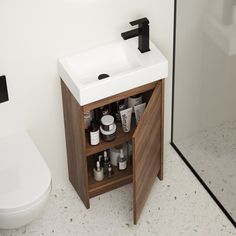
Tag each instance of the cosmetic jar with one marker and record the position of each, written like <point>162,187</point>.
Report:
<point>108,123</point>
<point>108,135</point>
<point>98,174</point>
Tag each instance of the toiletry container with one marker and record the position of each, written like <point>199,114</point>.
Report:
<point>104,110</point>
<point>107,122</point>
<point>117,107</point>
<point>135,100</point>
<point>94,133</point>
<point>98,172</point>
<point>108,128</point>
<point>126,119</point>
<point>115,153</point>
<point>122,161</point>
<point>110,171</point>
<point>25,181</point>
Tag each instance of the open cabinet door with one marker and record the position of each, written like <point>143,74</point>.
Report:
<point>148,150</point>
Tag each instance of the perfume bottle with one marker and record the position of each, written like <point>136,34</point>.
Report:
<point>122,161</point>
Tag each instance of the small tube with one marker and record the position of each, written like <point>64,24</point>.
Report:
<point>126,119</point>
<point>139,109</point>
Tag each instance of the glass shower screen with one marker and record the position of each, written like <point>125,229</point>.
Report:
<point>204,101</point>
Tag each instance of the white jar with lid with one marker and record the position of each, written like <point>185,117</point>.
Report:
<point>108,123</point>
<point>108,128</point>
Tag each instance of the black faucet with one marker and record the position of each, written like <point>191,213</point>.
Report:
<point>142,32</point>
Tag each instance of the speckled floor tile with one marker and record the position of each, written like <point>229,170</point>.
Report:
<point>212,153</point>
<point>177,206</point>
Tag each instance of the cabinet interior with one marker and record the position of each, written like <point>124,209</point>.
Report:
<point>119,178</point>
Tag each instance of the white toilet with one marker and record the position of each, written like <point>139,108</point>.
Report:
<point>25,181</point>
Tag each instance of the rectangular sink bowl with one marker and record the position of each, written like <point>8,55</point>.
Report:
<point>126,66</point>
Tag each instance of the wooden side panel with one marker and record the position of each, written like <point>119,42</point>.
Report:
<point>161,174</point>
<point>147,151</point>
<point>75,143</point>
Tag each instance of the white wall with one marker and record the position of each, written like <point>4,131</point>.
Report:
<point>34,33</point>
<point>188,67</point>
<point>218,84</point>
<point>222,9</point>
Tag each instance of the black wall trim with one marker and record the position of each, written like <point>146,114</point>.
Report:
<point>3,89</point>
<point>173,70</point>
<point>172,127</point>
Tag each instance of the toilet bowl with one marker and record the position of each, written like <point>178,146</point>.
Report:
<point>25,181</point>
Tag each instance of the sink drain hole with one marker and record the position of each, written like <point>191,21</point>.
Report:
<point>103,76</point>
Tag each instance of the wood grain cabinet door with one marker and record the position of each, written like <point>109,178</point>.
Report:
<point>148,150</point>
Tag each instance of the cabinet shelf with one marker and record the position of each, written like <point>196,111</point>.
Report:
<point>119,179</point>
<point>121,138</point>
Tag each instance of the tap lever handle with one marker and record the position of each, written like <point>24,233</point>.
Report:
<point>140,22</point>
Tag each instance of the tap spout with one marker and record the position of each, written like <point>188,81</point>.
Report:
<point>131,34</point>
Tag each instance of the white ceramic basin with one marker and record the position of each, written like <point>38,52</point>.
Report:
<point>127,67</point>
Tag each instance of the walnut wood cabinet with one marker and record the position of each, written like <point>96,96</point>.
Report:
<point>147,146</point>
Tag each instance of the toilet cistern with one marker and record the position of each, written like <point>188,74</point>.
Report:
<point>142,32</point>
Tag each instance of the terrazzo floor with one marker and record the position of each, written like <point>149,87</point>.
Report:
<point>178,205</point>
<point>212,153</point>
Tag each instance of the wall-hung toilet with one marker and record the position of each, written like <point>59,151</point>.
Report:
<point>25,181</point>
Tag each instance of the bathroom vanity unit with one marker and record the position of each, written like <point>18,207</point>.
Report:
<point>131,73</point>
<point>147,145</point>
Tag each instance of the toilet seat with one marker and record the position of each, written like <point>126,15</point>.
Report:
<point>24,176</point>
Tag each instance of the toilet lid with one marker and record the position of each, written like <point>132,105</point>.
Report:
<point>24,175</point>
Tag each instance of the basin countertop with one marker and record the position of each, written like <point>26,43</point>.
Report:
<point>127,66</point>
